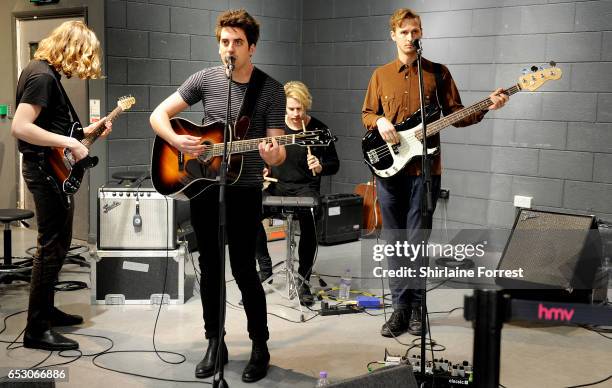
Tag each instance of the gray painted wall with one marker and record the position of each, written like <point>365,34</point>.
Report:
<point>554,144</point>
<point>153,47</point>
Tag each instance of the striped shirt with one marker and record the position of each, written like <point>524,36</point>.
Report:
<point>210,86</point>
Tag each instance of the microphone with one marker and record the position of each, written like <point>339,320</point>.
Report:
<point>229,62</point>
<point>417,44</point>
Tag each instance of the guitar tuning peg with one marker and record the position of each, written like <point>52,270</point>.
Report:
<point>553,63</point>
<point>534,68</point>
<point>525,71</point>
<point>541,68</point>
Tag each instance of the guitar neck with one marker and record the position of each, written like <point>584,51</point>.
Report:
<point>92,137</point>
<point>451,119</point>
<point>240,146</point>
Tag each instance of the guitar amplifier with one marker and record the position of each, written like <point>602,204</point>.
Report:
<point>340,218</point>
<point>124,225</point>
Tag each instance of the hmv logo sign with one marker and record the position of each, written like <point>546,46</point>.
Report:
<point>554,313</point>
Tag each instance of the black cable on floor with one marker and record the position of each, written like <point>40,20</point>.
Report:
<point>593,383</point>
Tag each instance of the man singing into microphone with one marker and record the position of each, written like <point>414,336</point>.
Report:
<point>393,96</point>
<point>237,33</point>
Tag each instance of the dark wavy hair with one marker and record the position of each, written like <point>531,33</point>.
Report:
<point>238,18</point>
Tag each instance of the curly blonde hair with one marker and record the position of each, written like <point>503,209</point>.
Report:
<point>299,91</point>
<point>73,49</point>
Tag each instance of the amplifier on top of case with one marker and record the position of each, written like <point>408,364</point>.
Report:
<point>135,218</point>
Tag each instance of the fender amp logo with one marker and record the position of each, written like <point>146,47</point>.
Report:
<point>554,313</point>
<point>110,206</point>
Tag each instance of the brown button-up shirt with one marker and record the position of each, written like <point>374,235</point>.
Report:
<point>393,92</point>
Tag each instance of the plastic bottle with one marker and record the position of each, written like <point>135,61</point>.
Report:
<point>322,382</point>
<point>345,286</point>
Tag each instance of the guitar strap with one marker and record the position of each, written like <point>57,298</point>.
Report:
<point>437,68</point>
<point>74,117</point>
<point>252,94</point>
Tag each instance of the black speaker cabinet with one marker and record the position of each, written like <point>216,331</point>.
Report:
<point>340,220</point>
<point>559,254</point>
<point>400,376</point>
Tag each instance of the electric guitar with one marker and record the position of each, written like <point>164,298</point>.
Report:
<point>184,176</point>
<point>386,160</point>
<point>64,170</point>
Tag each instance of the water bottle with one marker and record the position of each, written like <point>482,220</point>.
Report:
<point>322,382</point>
<point>345,286</point>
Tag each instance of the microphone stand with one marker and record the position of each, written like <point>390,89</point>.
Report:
<point>426,201</point>
<point>218,380</point>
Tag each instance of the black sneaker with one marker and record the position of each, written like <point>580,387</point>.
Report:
<point>397,324</point>
<point>305,296</point>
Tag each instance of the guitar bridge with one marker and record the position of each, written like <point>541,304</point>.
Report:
<point>181,161</point>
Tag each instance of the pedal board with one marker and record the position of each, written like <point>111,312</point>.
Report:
<point>340,309</point>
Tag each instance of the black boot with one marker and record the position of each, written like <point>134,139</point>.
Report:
<point>415,323</point>
<point>257,368</point>
<point>206,367</point>
<point>306,298</point>
<point>265,267</point>
<point>48,340</point>
<point>60,318</point>
<point>397,324</point>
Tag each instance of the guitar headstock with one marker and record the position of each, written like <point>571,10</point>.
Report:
<point>126,102</point>
<point>539,76</point>
<point>317,137</point>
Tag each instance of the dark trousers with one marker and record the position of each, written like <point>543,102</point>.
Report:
<point>54,217</point>
<point>308,235</point>
<point>243,218</point>
<point>400,203</point>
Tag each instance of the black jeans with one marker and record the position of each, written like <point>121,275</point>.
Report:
<point>54,213</point>
<point>308,236</point>
<point>243,217</point>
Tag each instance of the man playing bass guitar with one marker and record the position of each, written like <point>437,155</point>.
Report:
<point>392,97</point>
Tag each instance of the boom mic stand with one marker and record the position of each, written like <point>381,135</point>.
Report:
<point>426,201</point>
<point>218,380</point>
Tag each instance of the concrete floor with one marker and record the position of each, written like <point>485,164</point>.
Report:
<point>532,356</point>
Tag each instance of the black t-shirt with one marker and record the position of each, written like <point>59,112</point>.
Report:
<point>38,85</point>
<point>294,177</point>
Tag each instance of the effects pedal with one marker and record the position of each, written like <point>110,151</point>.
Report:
<point>340,309</point>
<point>446,374</point>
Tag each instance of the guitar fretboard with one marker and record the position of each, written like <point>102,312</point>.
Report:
<point>240,146</point>
<point>446,121</point>
<point>92,137</point>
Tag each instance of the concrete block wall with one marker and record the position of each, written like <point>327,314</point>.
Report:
<point>554,144</point>
<point>153,46</point>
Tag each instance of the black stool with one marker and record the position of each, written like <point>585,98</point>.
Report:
<point>8,270</point>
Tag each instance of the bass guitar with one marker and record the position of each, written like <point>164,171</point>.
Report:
<point>386,160</point>
<point>64,169</point>
<point>184,176</point>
